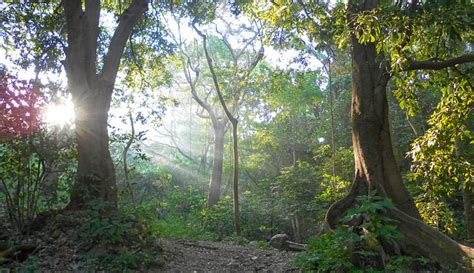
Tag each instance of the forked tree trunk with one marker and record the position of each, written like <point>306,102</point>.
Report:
<point>217,165</point>
<point>375,165</point>
<point>219,124</point>
<point>92,92</point>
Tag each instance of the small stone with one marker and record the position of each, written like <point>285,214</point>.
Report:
<point>159,261</point>
<point>233,265</point>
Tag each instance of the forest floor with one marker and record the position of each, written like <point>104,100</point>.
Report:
<point>175,256</point>
<point>57,247</point>
<point>199,256</point>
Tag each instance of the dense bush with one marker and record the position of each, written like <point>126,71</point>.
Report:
<point>36,173</point>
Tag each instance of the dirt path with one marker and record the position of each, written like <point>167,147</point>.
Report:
<point>204,256</point>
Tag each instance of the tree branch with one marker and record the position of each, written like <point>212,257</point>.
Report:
<point>229,115</point>
<point>192,83</point>
<point>176,145</point>
<point>441,64</point>
<point>128,20</point>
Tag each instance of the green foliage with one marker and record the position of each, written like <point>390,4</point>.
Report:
<point>288,173</point>
<point>30,265</point>
<point>35,174</point>
<point>329,252</point>
<point>401,263</point>
<point>33,32</point>
<point>436,202</point>
<point>219,219</point>
<point>377,226</point>
<point>404,34</point>
<point>442,157</point>
<point>332,252</point>
<point>296,185</point>
<point>181,215</point>
<point>184,215</point>
<point>110,230</point>
<point>263,245</point>
<point>334,189</point>
<point>238,240</point>
<point>434,154</point>
<point>120,240</point>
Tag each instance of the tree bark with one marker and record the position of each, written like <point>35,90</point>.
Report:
<point>217,165</point>
<point>468,202</point>
<point>375,164</point>
<point>125,158</point>
<point>91,93</point>
<point>95,171</point>
<point>235,171</point>
<point>467,197</point>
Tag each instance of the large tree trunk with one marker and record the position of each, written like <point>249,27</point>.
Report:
<point>375,164</point>
<point>95,178</point>
<point>92,92</point>
<point>217,165</point>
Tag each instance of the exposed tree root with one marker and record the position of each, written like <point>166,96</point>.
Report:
<point>421,239</point>
<point>418,238</point>
<point>339,208</point>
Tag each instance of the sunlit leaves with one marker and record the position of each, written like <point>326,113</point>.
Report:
<point>32,32</point>
<point>408,85</point>
<point>434,209</point>
<point>431,31</point>
<point>434,154</point>
<point>301,20</point>
<point>294,91</point>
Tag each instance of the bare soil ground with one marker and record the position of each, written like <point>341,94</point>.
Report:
<point>205,256</point>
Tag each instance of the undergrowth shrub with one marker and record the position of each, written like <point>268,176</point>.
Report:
<point>329,252</point>
<point>117,241</point>
<point>183,214</point>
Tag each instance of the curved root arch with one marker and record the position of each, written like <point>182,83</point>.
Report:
<point>418,237</point>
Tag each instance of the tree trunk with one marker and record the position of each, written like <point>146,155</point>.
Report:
<point>125,158</point>
<point>235,175</point>
<point>375,164</point>
<point>297,226</point>
<point>217,165</point>
<point>467,197</point>
<point>95,171</point>
<point>468,202</point>
<point>203,162</point>
<point>91,93</point>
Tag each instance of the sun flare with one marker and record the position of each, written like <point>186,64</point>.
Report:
<point>59,114</point>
